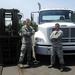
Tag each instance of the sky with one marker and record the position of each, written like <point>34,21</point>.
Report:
<point>28,6</point>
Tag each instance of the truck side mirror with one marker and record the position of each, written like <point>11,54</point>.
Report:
<point>32,17</point>
<point>73,16</point>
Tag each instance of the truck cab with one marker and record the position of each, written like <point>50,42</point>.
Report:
<point>46,24</point>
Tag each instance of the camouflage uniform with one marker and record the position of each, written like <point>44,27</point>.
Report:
<point>27,32</point>
<point>56,39</point>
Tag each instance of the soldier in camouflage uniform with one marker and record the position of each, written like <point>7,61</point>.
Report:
<point>26,33</point>
<point>56,39</point>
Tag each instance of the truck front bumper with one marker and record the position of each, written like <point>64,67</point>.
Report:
<point>45,50</point>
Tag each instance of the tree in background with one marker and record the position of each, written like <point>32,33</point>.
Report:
<point>34,25</point>
<point>8,26</point>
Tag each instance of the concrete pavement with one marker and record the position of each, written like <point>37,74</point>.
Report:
<point>41,70</point>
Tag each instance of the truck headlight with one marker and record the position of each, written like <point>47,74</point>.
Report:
<point>39,40</point>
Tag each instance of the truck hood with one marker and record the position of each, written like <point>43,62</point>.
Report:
<point>45,30</point>
<point>52,24</point>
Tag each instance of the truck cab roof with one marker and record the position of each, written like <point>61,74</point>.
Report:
<point>55,9</point>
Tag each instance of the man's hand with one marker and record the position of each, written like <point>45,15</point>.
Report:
<point>54,39</point>
<point>28,33</point>
<point>33,32</point>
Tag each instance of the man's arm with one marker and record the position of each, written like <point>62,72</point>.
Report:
<point>52,37</point>
<point>59,35</point>
<point>33,31</point>
<point>25,32</point>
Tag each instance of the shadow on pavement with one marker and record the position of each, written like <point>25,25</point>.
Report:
<point>67,69</point>
<point>34,65</point>
<point>45,60</point>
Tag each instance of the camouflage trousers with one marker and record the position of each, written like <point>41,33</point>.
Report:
<point>24,48</point>
<point>59,52</point>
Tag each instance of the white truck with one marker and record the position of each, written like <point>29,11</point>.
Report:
<point>46,22</point>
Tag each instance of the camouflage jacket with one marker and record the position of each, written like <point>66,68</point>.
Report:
<point>26,33</point>
<point>56,38</point>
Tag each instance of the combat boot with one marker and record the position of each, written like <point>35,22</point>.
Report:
<point>21,65</point>
<point>30,63</point>
<point>50,66</point>
<point>62,68</point>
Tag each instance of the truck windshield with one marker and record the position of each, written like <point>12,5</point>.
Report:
<point>54,15</point>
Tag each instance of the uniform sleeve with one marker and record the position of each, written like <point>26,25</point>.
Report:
<point>59,35</point>
<point>33,31</point>
<point>52,37</point>
<point>25,32</point>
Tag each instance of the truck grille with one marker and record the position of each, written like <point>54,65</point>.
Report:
<point>69,34</point>
<point>72,32</point>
